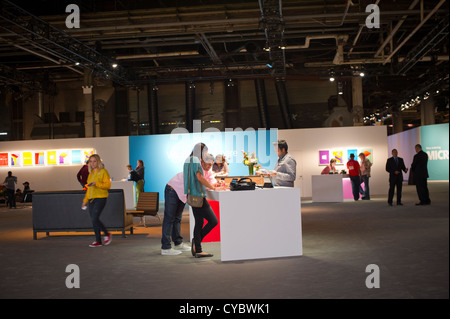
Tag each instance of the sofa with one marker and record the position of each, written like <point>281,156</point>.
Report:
<point>60,211</point>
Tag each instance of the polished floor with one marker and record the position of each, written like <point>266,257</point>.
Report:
<point>409,244</point>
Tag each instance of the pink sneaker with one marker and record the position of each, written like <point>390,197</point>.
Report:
<point>95,244</point>
<point>107,239</point>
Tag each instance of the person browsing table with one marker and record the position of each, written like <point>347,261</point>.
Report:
<point>285,170</point>
<point>195,182</point>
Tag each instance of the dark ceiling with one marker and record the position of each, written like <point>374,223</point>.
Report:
<point>171,41</point>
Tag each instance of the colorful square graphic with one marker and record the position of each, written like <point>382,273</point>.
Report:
<point>369,153</point>
<point>76,157</point>
<point>64,158</point>
<point>51,157</point>
<point>324,157</point>
<point>3,159</point>
<point>15,159</point>
<point>337,155</point>
<point>87,154</point>
<point>39,158</point>
<point>27,158</point>
<point>353,151</point>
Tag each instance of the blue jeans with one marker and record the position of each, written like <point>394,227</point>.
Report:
<point>96,206</point>
<point>173,211</point>
<point>355,186</point>
<point>365,192</point>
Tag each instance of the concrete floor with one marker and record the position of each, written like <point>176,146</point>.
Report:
<point>409,243</point>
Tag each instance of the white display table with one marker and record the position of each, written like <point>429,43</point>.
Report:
<point>327,188</point>
<point>264,223</point>
<point>128,191</point>
<point>331,188</point>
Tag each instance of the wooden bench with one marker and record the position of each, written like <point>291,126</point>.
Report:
<point>148,204</point>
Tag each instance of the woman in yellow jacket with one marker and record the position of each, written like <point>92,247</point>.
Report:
<point>98,185</point>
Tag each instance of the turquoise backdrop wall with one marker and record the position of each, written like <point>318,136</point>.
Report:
<point>164,154</point>
<point>434,141</point>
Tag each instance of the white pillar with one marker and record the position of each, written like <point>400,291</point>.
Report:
<point>88,114</point>
<point>357,98</point>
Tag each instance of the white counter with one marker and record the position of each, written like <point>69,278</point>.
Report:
<point>327,188</point>
<point>264,223</point>
<point>332,188</point>
<point>129,191</point>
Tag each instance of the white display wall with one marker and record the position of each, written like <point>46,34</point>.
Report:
<point>305,144</point>
<point>114,152</point>
<point>404,143</point>
<point>435,142</point>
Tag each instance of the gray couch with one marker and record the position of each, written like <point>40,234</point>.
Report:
<point>61,212</point>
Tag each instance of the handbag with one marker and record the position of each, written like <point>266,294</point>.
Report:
<point>244,184</point>
<point>192,200</point>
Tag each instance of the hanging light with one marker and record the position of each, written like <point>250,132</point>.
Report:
<point>340,91</point>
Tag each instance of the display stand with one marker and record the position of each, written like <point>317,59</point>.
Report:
<point>264,223</point>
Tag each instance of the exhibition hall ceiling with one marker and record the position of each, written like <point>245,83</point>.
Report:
<point>133,43</point>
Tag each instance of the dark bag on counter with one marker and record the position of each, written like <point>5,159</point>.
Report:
<point>244,184</point>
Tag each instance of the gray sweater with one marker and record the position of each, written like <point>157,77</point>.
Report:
<point>286,168</point>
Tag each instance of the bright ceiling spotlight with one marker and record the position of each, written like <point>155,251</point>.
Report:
<point>340,88</point>
<point>331,79</point>
<point>361,74</point>
<point>114,65</point>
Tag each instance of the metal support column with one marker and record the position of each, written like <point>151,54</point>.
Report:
<point>427,112</point>
<point>190,105</point>
<point>357,100</point>
<point>153,119</point>
<point>261,99</point>
<point>232,104</point>
<point>283,102</point>
<point>397,121</point>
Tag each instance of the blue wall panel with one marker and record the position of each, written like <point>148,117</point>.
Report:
<point>164,155</point>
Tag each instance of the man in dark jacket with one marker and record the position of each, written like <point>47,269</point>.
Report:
<point>420,175</point>
<point>394,166</point>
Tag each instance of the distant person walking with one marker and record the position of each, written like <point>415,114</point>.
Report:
<point>98,185</point>
<point>10,184</point>
<point>420,175</point>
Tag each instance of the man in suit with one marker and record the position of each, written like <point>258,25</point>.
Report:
<point>420,175</point>
<point>395,166</point>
